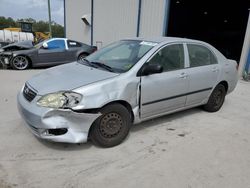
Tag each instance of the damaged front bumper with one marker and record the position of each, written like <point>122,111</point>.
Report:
<point>59,125</point>
<point>5,58</point>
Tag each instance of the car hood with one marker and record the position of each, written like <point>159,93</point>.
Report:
<point>67,77</point>
<point>23,45</point>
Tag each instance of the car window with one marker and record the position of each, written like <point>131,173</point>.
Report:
<point>72,44</point>
<point>142,50</point>
<point>121,52</point>
<point>170,57</point>
<point>54,44</point>
<point>200,56</point>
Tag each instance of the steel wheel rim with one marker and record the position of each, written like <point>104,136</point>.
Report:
<point>110,125</point>
<point>218,97</point>
<point>20,62</point>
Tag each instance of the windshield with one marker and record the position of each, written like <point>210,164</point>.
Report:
<point>119,56</point>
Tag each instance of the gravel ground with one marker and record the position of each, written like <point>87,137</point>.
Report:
<point>188,149</point>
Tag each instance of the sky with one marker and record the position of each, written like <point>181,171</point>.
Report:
<point>36,9</point>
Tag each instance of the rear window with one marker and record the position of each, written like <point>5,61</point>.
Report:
<point>72,44</point>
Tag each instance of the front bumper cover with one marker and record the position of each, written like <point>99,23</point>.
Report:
<point>40,120</point>
<point>5,58</point>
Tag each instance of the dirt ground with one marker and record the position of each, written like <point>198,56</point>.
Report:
<point>189,149</point>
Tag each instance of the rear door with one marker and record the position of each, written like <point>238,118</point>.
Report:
<point>203,73</point>
<point>165,91</point>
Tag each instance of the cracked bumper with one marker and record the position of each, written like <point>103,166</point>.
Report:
<point>40,120</point>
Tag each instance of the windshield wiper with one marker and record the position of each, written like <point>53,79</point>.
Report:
<point>85,61</point>
<point>102,65</point>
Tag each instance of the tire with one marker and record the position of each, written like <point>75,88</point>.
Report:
<point>112,127</point>
<point>2,64</point>
<point>81,56</point>
<point>216,99</point>
<point>20,63</point>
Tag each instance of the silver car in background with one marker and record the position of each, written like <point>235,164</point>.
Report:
<point>125,83</point>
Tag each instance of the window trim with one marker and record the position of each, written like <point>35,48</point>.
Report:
<point>203,45</point>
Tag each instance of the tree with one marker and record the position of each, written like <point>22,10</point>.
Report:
<point>7,22</point>
<point>38,26</point>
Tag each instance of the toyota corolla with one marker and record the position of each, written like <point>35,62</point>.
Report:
<point>125,83</point>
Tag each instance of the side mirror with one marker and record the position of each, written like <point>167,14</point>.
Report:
<point>148,69</point>
<point>45,45</point>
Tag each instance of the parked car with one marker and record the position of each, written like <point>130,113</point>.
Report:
<point>50,52</point>
<point>2,44</point>
<point>125,83</point>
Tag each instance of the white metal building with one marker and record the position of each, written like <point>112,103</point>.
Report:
<point>111,20</point>
<point>100,22</point>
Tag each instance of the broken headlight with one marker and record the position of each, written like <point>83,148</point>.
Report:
<point>66,99</point>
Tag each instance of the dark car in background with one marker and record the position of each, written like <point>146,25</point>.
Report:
<point>50,52</point>
<point>2,44</point>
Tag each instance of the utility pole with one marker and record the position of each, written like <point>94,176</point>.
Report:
<point>50,31</point>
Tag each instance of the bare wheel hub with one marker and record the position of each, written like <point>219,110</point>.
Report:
<point>110,125</point>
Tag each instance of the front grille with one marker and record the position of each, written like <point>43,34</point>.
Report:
<point>28,93</point>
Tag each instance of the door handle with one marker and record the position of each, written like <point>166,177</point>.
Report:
<point>183,75</point>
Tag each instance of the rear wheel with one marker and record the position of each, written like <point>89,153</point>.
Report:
<point>20,63</point>
<point>112,127</point>
<point>216,99</point>
<point>82,56</point>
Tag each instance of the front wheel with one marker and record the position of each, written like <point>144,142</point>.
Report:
<point>20,63</point>
<point>216,99</point>
<point>112,127</point>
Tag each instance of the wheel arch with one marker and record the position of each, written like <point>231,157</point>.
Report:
<point>125,104</point>
<point>24,55</point>
<point>225,84</point>
<point>82,53</point>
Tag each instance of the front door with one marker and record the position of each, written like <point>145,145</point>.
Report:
<point>54,54</point>
<point>165,91</point>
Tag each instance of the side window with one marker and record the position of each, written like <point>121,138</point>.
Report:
<point>55,44</point>
<point>72,44</point>
<point>200,55</point>
<point>170,57</point>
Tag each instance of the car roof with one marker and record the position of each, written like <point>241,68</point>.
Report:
<point>57,38</point>
<point>165,39</point>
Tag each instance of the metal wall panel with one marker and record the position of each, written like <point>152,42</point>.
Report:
<point>75,28</point>
<point>152,18</point>
<point>114,20</point>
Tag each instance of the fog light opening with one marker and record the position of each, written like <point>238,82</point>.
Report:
<point>57,132</point>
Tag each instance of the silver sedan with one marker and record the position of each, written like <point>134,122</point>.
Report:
<point>125,83</point>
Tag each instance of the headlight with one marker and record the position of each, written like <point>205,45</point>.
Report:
<point>62,99</point>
